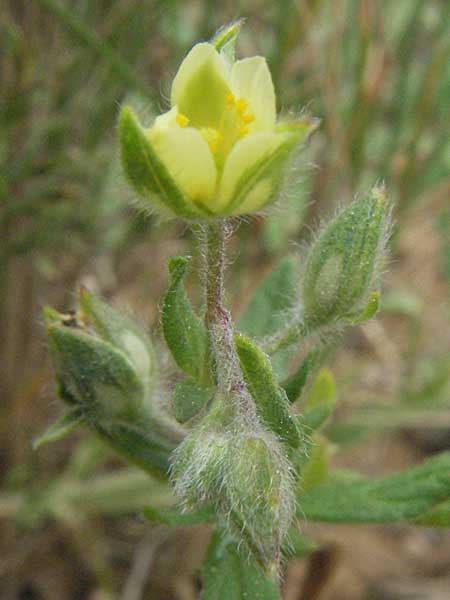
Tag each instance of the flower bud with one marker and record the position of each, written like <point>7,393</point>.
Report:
<point>244,475</point>
<point>91,373</point>
<point>105,370</point>
<point>343,264</point>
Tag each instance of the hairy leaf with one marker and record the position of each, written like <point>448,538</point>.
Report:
<point>183,330</point>
<point>408,496</point>
<point>230,575</point>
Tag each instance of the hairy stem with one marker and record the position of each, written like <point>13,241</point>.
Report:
<point>291,334</point>
<point>218,321</point>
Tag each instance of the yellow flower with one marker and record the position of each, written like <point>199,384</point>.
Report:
<point>219,150</point>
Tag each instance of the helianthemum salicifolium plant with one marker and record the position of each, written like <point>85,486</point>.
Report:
<point>240,443</point>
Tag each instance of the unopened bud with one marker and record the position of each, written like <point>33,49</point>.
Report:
<point>343,264</point>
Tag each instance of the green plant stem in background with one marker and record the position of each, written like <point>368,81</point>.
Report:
<point>88,38</point>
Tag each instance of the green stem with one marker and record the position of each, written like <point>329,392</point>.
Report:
<point>219,324</point>
<point>291,334</point>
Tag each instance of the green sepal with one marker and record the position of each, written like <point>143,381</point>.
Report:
<point>319,403</point>
<point>294,385</point>
<point>224,40</point>
<point>408,496</point>
<point>188,399</point>
<point>184,331</point>
<point>315,468</point>
<point>144,170</point>
<point>94,375</point>
<point>269,167</point>
<point>174,518</point>
<point>270,399</point>
<point>368,312</point>
<point>229,574</point>
<point>59,428</point>
<point>122,332</point>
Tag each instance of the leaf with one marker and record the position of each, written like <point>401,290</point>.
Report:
<point>320,402</point>
<point>59,429</point>
<point>230,575</point>
<point>188,399</point>
<point>421,492</point>
<point>276,295</point>
<point>270,399</point>
<point>175,518</point>
<point>314,471</point>
<point>183,330</point>
<point>294,385</point>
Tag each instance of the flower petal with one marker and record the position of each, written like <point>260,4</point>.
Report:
<point>253,172</point>
<point>251,80</point>
<point>200,86</point>
<point>189,161</point>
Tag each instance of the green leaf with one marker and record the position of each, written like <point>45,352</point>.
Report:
<point>228,574</point>
<point>270,399</point>
<point>184,332</point>
<point>293,386</point>
<point>59,429</point>
<point>420,494</point>
<point>188,399</point>
<point>174,518</point>
<point>314,471</point>
<point>145,172</point>
<point>275,296</point>
<point>439,516</point>
<point>320,402</point>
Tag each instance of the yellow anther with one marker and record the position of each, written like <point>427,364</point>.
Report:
<point>241,105</point>
<point>181,120</point>
<point>248,117</point>
<point>243,130</point>
<point>229,98</point>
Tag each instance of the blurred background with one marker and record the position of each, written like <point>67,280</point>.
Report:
<point>377,72</point>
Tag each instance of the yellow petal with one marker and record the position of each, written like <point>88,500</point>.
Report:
<point>189,161</point>
<point>200,86</point>
<point>252,81</point>
<point>253,171</point>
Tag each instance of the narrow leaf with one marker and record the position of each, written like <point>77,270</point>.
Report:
<point>230,575</point>
<point>420,494</point>
<point>174,518</point>
<point>293,386</point>
<point>183,330</point>
<point>59,429</point>
<point>270,399</point>
<point>320,402</point>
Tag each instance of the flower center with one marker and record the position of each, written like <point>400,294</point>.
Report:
<point>233,125</point>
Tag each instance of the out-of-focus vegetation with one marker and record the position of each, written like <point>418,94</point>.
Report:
<point>378,75</point>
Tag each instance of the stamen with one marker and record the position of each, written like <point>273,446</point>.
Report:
<point>241,105</point>
<point>181,120</point>
<point>248,117</point>
<point>243,130</point>
<point>229,98</point>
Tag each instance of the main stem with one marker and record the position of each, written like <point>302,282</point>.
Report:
<point>218,321</point>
